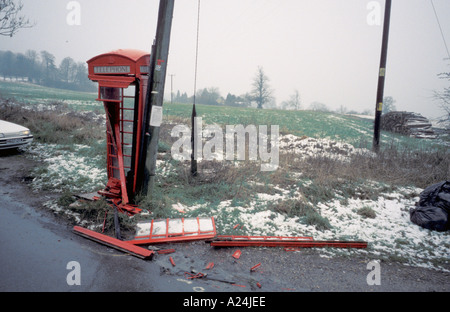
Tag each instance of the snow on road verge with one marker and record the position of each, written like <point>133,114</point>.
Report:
<point>390,233</point>
<point>67,169</point>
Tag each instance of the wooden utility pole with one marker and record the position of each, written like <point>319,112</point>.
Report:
<point>155,94</point>
<point>381,77</point>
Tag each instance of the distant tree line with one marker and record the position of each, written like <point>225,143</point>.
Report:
<point>261,96</point>
<point>40,68</point>
<point>212,96</point>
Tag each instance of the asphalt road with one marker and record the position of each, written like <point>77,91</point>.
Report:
<point>36,256</point>
<point>38,251</point>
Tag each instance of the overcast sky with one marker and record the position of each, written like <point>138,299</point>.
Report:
<point>326,49</point>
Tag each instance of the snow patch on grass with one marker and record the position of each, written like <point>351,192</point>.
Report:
<point>66,169</point>
<point>312,147</point>
<point>390,234</point>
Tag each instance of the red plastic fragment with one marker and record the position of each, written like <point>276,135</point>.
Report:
<point>237,254</point>
<point>166,251</point>
<point>209,266</point>
<point>188,275</point>
<point>253,268</point>
<point>172,261</point>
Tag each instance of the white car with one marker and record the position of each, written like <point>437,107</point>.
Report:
<point>13,135</point>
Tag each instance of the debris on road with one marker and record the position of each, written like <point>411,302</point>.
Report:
<point>114,243</point>
<point>253,268</point>
<point>165,251</point>
<point>237,254</point>
<point>188,275</point>
<point>209,266</point>
<point>274,241</point>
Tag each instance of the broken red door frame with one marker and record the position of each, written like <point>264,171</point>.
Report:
<point>279,241</point>
<point>115,152</point>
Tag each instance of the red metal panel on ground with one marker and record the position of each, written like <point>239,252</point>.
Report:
<point>264,238</point>
<point>115,243</point>
<point>272,241</point>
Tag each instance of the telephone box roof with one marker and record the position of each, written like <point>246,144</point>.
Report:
<point>132,54</point>
<point>128,62</point>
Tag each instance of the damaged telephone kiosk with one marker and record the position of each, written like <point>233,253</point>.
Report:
<point>122,78</point>
<point>131,88</point>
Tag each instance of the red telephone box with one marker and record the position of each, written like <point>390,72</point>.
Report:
<point>122,77</point>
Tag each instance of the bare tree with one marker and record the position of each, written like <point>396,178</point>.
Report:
<point>342,110</point>
<point>444,98</point>
<point>67,69</point>
<point>48,63</point>
<point>294,102</point>
<point>261,92</point>
<point>33,70</point>
<point>80,73</point>
<point>389,104</point>
<point>318,107</point>
<point>10,20</point>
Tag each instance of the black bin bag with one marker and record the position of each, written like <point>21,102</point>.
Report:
<point>433,208</point>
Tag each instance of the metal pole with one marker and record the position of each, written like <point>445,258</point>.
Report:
<point>194,168</point>
<point>155,91</point>
<point>171,89</point>
<point>381,77</point>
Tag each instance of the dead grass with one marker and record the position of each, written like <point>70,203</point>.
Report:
<point>55,124</point>
<point>367,212</point>
<point>393,166</point>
